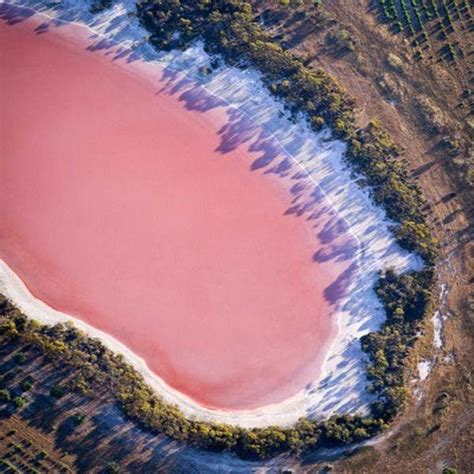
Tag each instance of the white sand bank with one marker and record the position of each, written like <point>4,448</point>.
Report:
<point>424,369</point>
<point>438,319</point>
<point>341,386</point>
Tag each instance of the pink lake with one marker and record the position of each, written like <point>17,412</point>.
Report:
<point>121,206</point>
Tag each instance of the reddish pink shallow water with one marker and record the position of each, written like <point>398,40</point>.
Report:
<point>117,208</point>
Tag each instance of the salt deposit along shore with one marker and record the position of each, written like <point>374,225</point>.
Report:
<point>314,162</point>
<point>173,228</point>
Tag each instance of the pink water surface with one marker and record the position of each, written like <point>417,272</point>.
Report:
<point>120,205</point>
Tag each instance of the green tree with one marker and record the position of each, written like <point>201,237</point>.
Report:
<point>19,402</point>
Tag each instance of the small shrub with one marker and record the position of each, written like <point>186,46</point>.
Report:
<point>42,455</point>
<point>78,418</point>
<point>5,395</point>
<point>56,391</point>
<point>19,402</point>
<point>450,470</point>
<point>26,385</point>
<point>341,41</point>
<point>111,467</point>
<point>20,358</point>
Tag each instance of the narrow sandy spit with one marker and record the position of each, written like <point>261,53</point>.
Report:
<point>341,385</point>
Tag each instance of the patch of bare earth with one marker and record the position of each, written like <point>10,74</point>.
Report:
<point>436,429</point>
<point>424,107</point>
<point>73,431</point>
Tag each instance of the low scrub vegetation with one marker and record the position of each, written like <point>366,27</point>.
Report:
<point>23,455</point>
<point>427,21</point>
<point>228,29</point>
<point>95,365</point>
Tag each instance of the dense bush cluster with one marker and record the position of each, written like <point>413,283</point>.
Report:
<point>93,364</point>
<point>406,299</point>
<point>228,29</point>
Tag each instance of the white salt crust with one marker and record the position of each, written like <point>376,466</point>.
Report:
<point>316,157</point>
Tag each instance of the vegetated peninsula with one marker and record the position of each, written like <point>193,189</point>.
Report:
<point>222,233</point>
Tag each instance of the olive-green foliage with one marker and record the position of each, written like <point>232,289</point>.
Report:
<point>449,470</point>
<point>97,365</point>
<point>26,384</point>
<point>99,5</point>
<point>20,358</point>
<point>19,402</point>
<point>228,28</point>
<point>56,391</point>
<point>5,395</point>
<point>406,299</point>
<point>111,467</point>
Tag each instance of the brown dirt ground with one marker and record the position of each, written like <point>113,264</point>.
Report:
<point>433,432</point>
<point>426,438</point>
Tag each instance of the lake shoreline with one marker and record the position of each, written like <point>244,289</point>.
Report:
<point>286,412</point>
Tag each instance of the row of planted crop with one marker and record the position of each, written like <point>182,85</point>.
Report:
<point>423,12</point>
